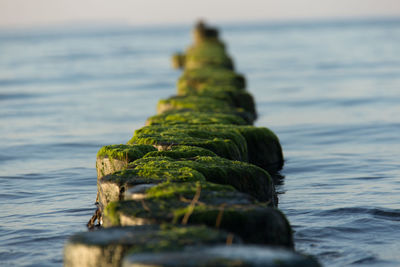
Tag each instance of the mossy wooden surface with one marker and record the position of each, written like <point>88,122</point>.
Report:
<point>113,158</point>
<point>182,152</point>
<point>195,103</point>
<point>254,223</point>
<point>263,147</point>
<point>207,53</point>
<point>257,145</point>
<point>189,189</point>
<point>235,97</point>
<point>225,143</point>
<point>202,104</point>
<point>194,117</point>
<point>244,177</point>
<point>211,76</point>
<point>112,187</point>
<point>236,255</point>
<point>124,152</point>
<point>107,247</point>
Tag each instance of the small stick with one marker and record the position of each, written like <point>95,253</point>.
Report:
<point>229,239</point>
<point>219,217</point>
<point>195,199</point>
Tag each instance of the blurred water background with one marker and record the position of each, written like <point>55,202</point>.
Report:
<point>329,89</point>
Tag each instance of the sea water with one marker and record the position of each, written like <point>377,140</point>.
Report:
<point>329,89</point>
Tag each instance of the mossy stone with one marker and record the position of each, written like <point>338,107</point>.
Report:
<point>107,247</point>
<point>254,223</point>
<point>194,117</point>
<point>112,187</point>
<point>202,104</point>
<point>113,158</point>
<point>181,152</point>
<point>235,97</point>
<point>223,142</point>
<point>186,191</point>
<point>236,255</point>
<point>211,76</point>
<point>207,53</point>
<point>244,177</point>
<point>261,146</point>
<point>195,103</point>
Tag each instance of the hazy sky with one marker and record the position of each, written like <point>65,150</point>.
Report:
<point>49,12</point>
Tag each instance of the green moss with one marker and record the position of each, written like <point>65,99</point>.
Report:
<point>202,104</point>
<point>222,141</point>
<point>244,177</point>
<point>195,103</point>
<point>179,152</point>
<point>124,152</point>
<point>236,98</point>
<point>255,223</point>
<point>257,145</point>
<point>111,213</point>
<point>153,170</point>
<point>187,190</point>
<point>210,76</point>
<point>194,117</point>
<point>208,53</point>
<point>263,146</point>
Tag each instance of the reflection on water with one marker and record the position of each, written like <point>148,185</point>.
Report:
<point>329,90</point>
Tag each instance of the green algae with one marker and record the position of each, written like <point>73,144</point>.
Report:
<point>255,223</point>
<point>194,117</point>
<point>235,97</point>
<point>225,143</point>
<point>113,187</point>
<point>187,190</point>
<point>263,146</point>
<point>126,153</point>
<point>211,76</point>
<point>111,212</point>
<point>149,171</point>
<point>257,145</point>
<point>207,53</point>
<point>244,177</point>
<point>202,104</point>
<point>180,152</point>
<point>195,103</point>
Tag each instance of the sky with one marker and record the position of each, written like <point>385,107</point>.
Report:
<point>23,13</point>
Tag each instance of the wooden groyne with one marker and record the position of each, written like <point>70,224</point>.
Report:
<point>193,187</point>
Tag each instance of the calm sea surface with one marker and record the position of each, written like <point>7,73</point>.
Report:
<point>330,90</point>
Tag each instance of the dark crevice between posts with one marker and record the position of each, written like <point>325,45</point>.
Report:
<point>197,175</point>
